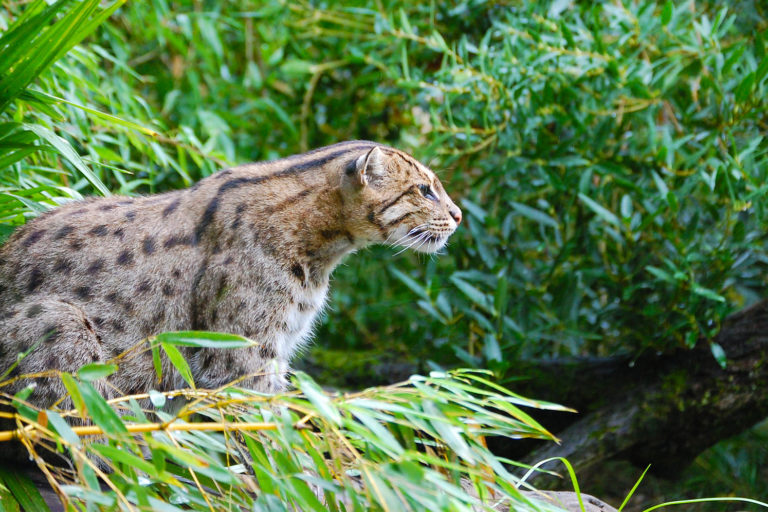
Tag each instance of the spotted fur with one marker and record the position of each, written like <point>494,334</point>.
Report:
<point>248,250</point>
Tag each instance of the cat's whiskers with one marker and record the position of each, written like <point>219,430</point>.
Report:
<point>408,234</point>
<point>413,242</point>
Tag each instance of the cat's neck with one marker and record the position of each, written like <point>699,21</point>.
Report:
<point>299,221</point>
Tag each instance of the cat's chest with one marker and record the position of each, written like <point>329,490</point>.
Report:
<point>298,318</point>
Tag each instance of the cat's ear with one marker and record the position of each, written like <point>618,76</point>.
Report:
<point>370,166</point>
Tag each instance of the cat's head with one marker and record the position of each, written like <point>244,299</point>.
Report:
<point>403,202</point>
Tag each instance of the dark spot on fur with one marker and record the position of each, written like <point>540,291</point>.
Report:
<point>371,217</point>
<point>266,351</point>
<point>52,362</point>
<point>173,241</point>
<point>64,231</point>
<point>35,279</point>
<point>99,321</point>
<point>148,245</point>
<point>83,292</point>
<point>112,297</point>
<point>119,232</point>
<point>222,174</point>
<point>329,234</point>
<point>158,318</point>
<point>228,261</point>
<point>100,230</point>
<point>298,271</point>
<point>50,333</point>
<point>107,207</point>
<point>76,245</point>
<point>171,208</point>
<point>125,258</point>
<point>176,273</point>
<point>118,326</point>
<point>62,265</point>
<point>78,212</point>
<point>167,290</point>
<point>303,306</point>
<point>144,286</point>
<point>129,216</point>
<point>33,237</point>
<point>125,202</point>
<point>222,289</point>
<point>96,265</point>
<point>34,310</point>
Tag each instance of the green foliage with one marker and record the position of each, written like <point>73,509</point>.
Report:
<point>612,168</point>
<point>417,445</point>
<point>609,157</point>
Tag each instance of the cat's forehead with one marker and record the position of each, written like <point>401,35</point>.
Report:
<point>415,168</point>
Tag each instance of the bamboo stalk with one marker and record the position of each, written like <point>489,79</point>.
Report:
<point>92,430</point>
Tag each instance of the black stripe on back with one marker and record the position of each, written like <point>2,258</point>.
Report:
<point>298,168</point>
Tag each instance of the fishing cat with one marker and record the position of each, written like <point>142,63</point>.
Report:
<point>248,250</point>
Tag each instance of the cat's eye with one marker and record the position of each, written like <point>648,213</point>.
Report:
<point>426,191</point>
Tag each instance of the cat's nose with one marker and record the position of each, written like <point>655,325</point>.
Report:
<point>456,214</point>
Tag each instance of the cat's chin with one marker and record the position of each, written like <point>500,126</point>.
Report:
<point>431,246</point>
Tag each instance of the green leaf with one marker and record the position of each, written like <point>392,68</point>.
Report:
<point>178,362</point>
<point>719,354</point>
<point>534,214</point>
<point>707,293</point>
<point>666,12</point>
<point>661,274</point>
<point>66,150</point>
<point>203,339</point>
<point>74,393</point>
<point>411,283</point>
<point>100,411</point>
<point>63,428</point>
<point>117,455</point>
<point>744,89</point>
<point>95,371</point>
<point>317,396</point>
<point>474,210</point>
<point>600,211</point>
<point>297,67</point>
<point>23,490</point>
<point>473,294</point>
<point>449,434</point>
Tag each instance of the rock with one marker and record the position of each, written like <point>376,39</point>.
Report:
<point>570,502</point>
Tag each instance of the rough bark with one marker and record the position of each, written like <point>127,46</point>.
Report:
<point>661,409</point>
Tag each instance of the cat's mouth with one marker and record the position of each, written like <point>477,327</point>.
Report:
<point>424,240</point>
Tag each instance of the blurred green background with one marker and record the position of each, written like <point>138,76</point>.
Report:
<point>609,158</point>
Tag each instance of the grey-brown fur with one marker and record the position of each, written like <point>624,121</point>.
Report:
<point>248,251</point>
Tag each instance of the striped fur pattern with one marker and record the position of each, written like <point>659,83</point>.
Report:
<point>248,250</point>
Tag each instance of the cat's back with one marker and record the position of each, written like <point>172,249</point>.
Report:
<point>92,246</point>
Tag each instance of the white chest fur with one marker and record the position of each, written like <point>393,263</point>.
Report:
<point>299,317</point>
